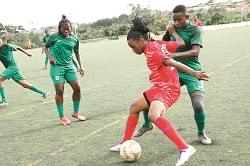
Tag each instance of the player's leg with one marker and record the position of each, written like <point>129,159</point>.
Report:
<point>2,93</point>
<point>196,91</point>
<point>156,111</point>
<point>72,79</point>
<point>8,73</point>
<point>59,104</point>
<point>200,117</point>
<point>138,105</point>
<point>76,97</point>
<point>147,126</point>
<point>46,62</point>
<point>57,76</point>
<point>24,83</point>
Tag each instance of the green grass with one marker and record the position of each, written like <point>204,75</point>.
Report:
<point>31,134</point>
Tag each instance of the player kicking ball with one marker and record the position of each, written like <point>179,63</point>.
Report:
<point>165,89</point>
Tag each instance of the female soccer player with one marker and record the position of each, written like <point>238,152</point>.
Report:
<point>45,39</point>
<point>13,71</point>
<point>188,55</point>
<point>165,90</point>
<point>61,47</point>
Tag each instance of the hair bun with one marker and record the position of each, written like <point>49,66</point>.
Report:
<point>139,24</point>
<point>64,16</point>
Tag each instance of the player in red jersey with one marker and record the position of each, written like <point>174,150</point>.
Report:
<point>165,89</point>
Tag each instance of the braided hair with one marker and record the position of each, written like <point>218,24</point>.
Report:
<point>63,21</point>
<point>139,29</point>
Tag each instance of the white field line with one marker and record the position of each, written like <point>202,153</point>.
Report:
<point>76,142</point>
<point>117,121</point>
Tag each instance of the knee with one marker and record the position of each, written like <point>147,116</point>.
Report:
<point>59,92</point>
<point>152,117</point>
<point>198,105</point>
<point>77,90</point>
<point>26,86</point>
<point>134,108</point>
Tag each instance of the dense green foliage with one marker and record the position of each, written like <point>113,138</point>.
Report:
<point>114,27</point>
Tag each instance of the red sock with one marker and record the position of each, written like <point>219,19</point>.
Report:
<point>130,127</point>
<point>166,127</point>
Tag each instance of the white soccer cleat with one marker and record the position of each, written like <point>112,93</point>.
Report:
<point>204,139</point>
<point>46,95</point>
<point>184,155</point>
<point>116,148</point>
<point>3,104</point>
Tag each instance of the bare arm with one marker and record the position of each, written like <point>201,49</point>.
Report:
<point>195,51</point>
<point>43,48</point>
<point>51,59</point>
<point>200,75</point>
<point>81,70</point>
<point>22,50</point>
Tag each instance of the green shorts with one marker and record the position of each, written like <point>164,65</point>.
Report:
<point>60,73</point>
<point>192,83</point>
<point>12,72</point>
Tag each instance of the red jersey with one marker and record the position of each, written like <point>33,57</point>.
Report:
<point>197,22</point>
<point>161,75</point>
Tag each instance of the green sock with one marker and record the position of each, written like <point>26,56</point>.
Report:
<point>200,119</point>
<point>60,110</point>
<point>35,89</point>
<point>46,60</point>
<point>76,105</point>
<point>147,122</point>
<point>3,95</point>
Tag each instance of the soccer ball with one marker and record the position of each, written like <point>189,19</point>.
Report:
<point>130,150</point>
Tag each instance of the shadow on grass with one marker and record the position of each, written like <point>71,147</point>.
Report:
<point>197,142</point>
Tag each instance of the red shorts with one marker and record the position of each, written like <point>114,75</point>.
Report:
<point>166,95</point>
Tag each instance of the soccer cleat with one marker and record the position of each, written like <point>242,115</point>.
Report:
<point>3,104</point>
<point>46,95</point>
<point>116,148</point>
<point>184,155</point>
<point>64,120</point>
<point>143,130</point>
<point>79,116</point>
<point>204,139</point>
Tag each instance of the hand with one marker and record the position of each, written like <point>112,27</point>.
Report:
<point>81,71</point>
<point>52,61</point>
<point>171,28</point>
<point>201,75</point>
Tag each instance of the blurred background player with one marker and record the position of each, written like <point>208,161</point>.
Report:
<point>12,71</point>
<point>197,21</point>
<point>187,55</point>
<point>165,89</point>
<point>45,39</point>
<point>61,46</point>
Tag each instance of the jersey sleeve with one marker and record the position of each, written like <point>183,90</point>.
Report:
<point>76,48</point>
<point>50,41</point>
<point>196,38</point>
<point>44,39</point>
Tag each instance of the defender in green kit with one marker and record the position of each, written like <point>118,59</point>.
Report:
<point>12,71</point>
<point>60,48</point>
<point>188,55</point>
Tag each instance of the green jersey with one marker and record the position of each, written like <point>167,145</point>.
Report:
<point>6,55</point>
<point>62,48</point>
<point>191,35</point>
<point>45,38</point>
